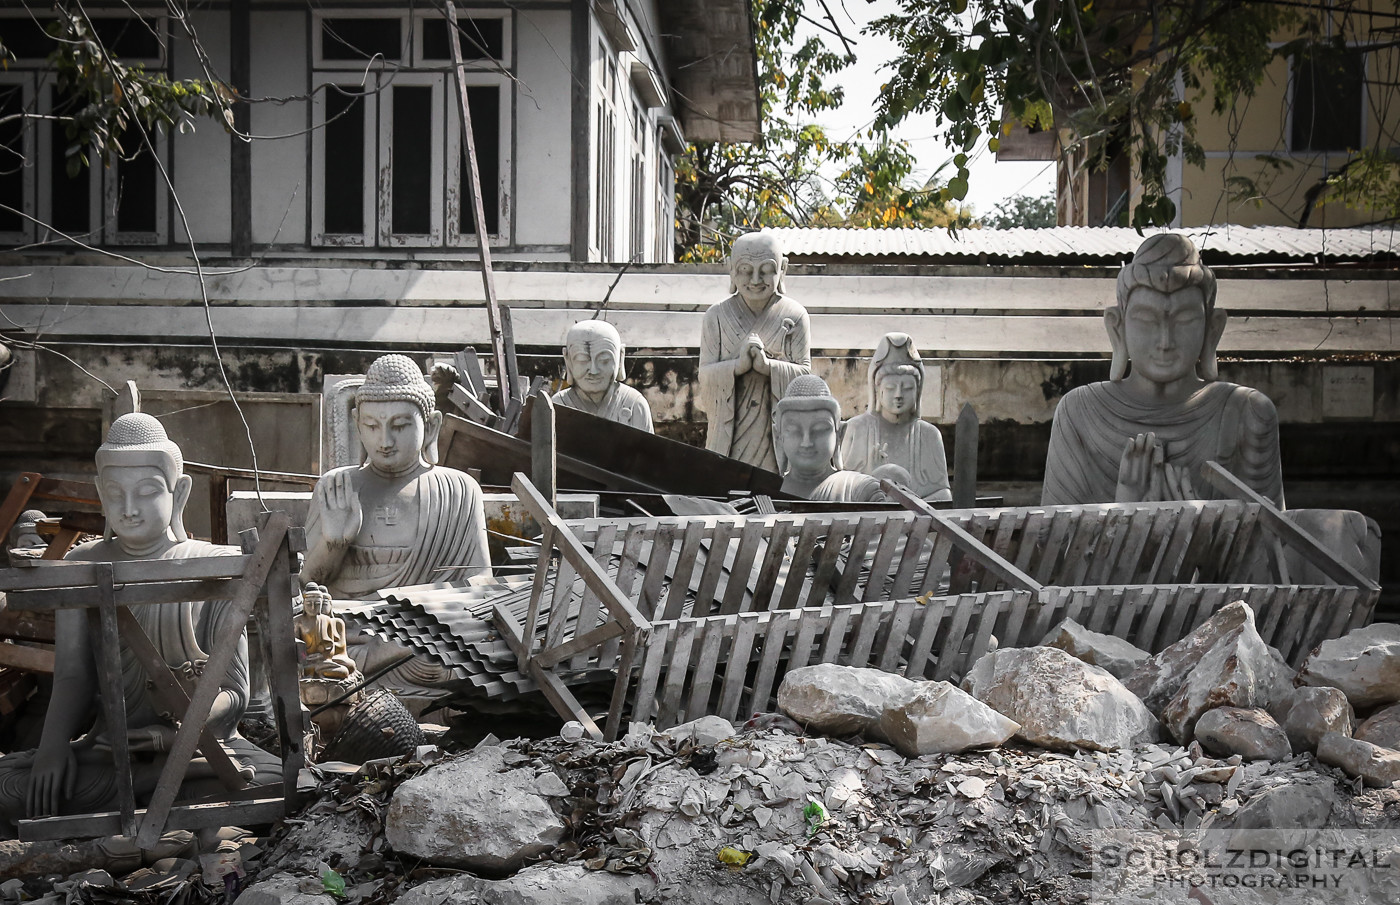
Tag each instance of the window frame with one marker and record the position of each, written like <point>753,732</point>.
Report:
<point>384,172</point>
<point>488,65</point>
<point>29,167</point>
<point>453,200</point>
<point>1362,113</point>
<point>369,215</point>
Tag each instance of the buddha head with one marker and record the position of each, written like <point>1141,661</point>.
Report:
<point>397,421</point>
<point>25,533</point>
<point>806,429</point>
<point>1165,322</point>
<point>756,268</point>
<point>896,379</point>
<point>593,353</point>
<point>142,484</point>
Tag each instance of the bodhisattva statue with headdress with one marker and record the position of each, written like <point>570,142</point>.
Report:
<point>892,432</point>
<point>1143,434</point>
<point>143,489</point>
<point>593,357</point>
<point>752,345</point>
<point>806,429</point>
<point>398,519</point>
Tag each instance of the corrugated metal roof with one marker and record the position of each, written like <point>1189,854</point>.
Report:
<point>1100,244</point>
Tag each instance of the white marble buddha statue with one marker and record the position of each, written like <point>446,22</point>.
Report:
<point>752,345</point>
<point>593,358</point>
<point>1143,434</point>
<point>892,432</point>
<point>143,489</point>
<point>399,519</point>
<point>806,426</point>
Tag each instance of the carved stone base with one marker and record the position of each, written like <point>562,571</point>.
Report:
<point>317,691</point>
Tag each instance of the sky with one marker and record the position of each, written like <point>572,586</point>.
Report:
<point>990,183</point>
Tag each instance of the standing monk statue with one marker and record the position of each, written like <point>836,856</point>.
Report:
<point>398,519</point>
<point>143,489</point>
<point>1143,434</point>
<point>593,354</point>
<point>892,432</point>
<point>752,345</point>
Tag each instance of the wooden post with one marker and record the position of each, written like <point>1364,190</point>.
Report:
<point>107,644</point>
<point>543,459</point>
<point>240,148</point>
<point>965,458</point>
<point>505,370</point>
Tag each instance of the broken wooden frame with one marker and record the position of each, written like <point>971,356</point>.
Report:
<point>30,486</point>
<point>107,591</point>
<point>922,592</point>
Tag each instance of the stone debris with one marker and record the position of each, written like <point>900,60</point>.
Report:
<point>1317,711</point>
<point>1061,702</point>
<point>1381,728</point>
<point>1159,678</point>
<point>707,731</point>
<point>1375,765</point>
<point>1365,664</point>
<point>939,718</point>
<point>1104,651</point>
<point>839,700</point>
<point>1237,670</point>
<point>1252,734</point>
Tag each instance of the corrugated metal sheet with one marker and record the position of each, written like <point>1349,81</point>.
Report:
<point>1098,244</point>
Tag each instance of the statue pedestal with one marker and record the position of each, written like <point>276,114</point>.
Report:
<point>316,691</point>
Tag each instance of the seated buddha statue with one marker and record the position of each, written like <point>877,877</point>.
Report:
<point>323,633</point>
<point>399,519</point>
<point>806,424</point>
<point>593,353</point>
<point>893,432</point>
<point>1143,434</point>
<point>143,489</point>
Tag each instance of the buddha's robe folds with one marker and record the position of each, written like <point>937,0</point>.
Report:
<point>740,407</point>
<point>848,487</point>
<point>917,446</point>
<point>1234,425</point>
<point>622,404</point>
<point>184,634</point>
<point>450,543</point>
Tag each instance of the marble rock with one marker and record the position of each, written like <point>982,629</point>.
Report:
<point>1298,805</point>
<point>473,813</point>
<point>539,884</point>
<point>1315,712</point>
<point>840,700</point>
<point>1365,664</point>
<point>1375,765</point>
<point>1061,703</point>
<point>940,718</point>
<point>707,730</point>
<point>286,889</point>
<point>1237,671</point>
<point>1381,728</point>
<point>1252,734</point>
<point>1104,651</point>
<point>1163,674</point>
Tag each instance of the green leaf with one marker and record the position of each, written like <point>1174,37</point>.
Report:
<point>957,187</point>
<point>333,883</point>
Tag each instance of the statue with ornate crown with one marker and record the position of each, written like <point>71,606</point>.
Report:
<point>593,357</point>
<point>143,489</point>
<point>892,432</point>
<point>806,428</point>
<point>752,345</point>
<point>399,519</point>
<point>1143,434</point>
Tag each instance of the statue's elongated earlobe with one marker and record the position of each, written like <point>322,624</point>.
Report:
<point>181,492</point>
<point>1207,366</point>
<point>432,427</point>
<point>1113,322</point>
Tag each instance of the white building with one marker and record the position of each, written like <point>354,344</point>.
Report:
<point>578,109</point>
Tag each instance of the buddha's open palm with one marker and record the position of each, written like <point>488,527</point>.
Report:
<point>1140,471</point>
<point>339,501</point>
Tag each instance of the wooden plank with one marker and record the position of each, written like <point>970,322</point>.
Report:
<point>1210,564</point>
<point>978,527</point>
<point>603,546</point>
<point>798,565</point>
<point>1015,622</point>
<point>107,647</point>
<point>835,640</point>
<point>1029,540</point>
<point>706,663</point>
<point>714,568</point>
<point>559,605</point>
<point>855,558</point>
<point>655,648</point>
<point>909,557</point>
<point>931,620</point>
<point>1171,628</point>
<point>993,562</point>
<point>1088,534</point>
<point>685,568</point>
<point>949,655</point>
<point>1290,635</point>
<point>52,600</point>
<point>1123,568</point>
<point>181,817</point>
<point>17,499</point>
<point>578,646</point>
<point>29,659</point>
<point>65,574</point>
<point>773,646</point>
<point>626,659</point>
<point>662,542</point>
<point>631,553</point>
<point>869,616</point>
<point>1008,522</point>
<point>1115,534</point>
<point>986,619</point>
<point>891,531</point>
<point>1243,546</point>
<point>563,700</point>
<point>943,559</point>
<point>1061,521</point>
<point>826,564</point>
<point>1201,542</point>
<point>512,632</point>
<point>220,658</point>
<point>739,574</point>
<point>773,559</point>
<point>810,622</point>
<point>676,670</point>
<point>1167,569</point>
<point>589,615</point>
<point>737,666</point>
<point>1154,600</point>
<point>895,638</point>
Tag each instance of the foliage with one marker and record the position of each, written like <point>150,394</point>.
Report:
<point>1129,75</point>
<point>1023,212</point>
<point>877,191</point>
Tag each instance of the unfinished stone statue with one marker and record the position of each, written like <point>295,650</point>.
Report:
<point>25,533</point>
<point>593,354</point>
<point>752,345</point>
<point>1143,434</point>
<point>398,519</point>
<point>893,432</point>
<point>806,427</point>
<point>143,489</point>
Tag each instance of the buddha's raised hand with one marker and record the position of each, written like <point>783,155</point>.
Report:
<point>1140,471</point>
<point>339,501</point>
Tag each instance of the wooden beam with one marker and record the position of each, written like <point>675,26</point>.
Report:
<point>81,574</point>
<point>29,659</point>
<point>965,458</point>
<point>112,684</point>
<point>16,501</point>
<point>543,452</point>
<point>182,817</point>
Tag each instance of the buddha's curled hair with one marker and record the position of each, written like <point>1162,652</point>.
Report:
<point>1167,262</point>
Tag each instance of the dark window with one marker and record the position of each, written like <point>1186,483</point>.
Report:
<point>136,190</point>
<point>68,194</point>
<point>486,135</point>
<point>123,36</point>
<point>1328,86</point>
<point>412,160</point>
<point>344,163</point>
<point>482,39</point>
<point>361,39</point>
<point>26,38</point>
<point>12,159</point>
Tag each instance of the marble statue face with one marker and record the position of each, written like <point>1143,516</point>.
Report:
<point>898,395</point>
<point>136,502</point>
<point>808,439</point>
<point>392,433</point>
<point>592,365</point>
<point>755,272</point>
<point>1165,332</point>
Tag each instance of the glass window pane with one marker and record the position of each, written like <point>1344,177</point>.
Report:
<point>12,158</point>
<point>136,190</point>
<point>482,39</point>
<point>343,163</point>
<point>68,195</point>
<point>486,135</point>
<point>412,160</point>
<point>360,39</point>
<point>1328,86</point>
<point>126,36</point>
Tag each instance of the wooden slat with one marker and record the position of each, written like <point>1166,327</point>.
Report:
<point>1016,621</point>
<point>685,568</point>
<point>896,636</point>
<point>644,703</point>
<point>182,817</point>
<point>1290,634</point>
<point>891,531</point>
<point>1008,522</point>
<point>810,622</point>
<point>868,618</point>
<point>1243,545</point>
<point>588,613</point>
<point>1123,568</point>
<point>909,558</point>
<point>993,562</point>
<point>750,541</point>
<point>543,566</point>
<point>826,565</point>
<point>559,604</point>
<point>706,594</point>
<point>676,670</point>
<point>17,499</point>
<point>773,559</point>
<point>737,666</point>
<point>930,620</point>
<point>631,552</point>
<point>835,640</point>
<point>948,654</point>
<point>626,659</point>
<point>107,647</point>
<point>943,556</point>
<point>978,528</point>
<point>706,664</point>
<point>1078,555</point>
<point>563,700</point>
<point>578,645</point>
<point>29,659</point>
<point>1201,541</point>
<point>283,670</point>
<point>511,632</point>
<point>991,605</point>
<point>1129,605</point>
<point>1060,523</point>
<point>66,574</point>
<point>855,558</point>
<point>54,599</point>
<point>662,543</point>
<point>1169,567</point>
<point>773,647</point>
<point>1117,524</point>
<point>1029,540</point>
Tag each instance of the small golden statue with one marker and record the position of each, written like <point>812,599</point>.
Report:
<point>323,632</point>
